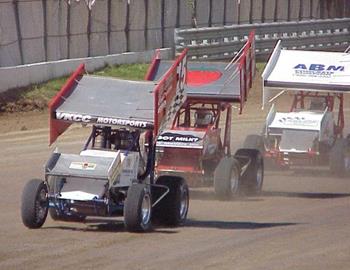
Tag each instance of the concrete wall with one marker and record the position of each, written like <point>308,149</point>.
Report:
<point>170,21</point>
<point>9,44</point>
<point>24,75</point>
<point>99,29</point>
<point>31,22</point>
<point>118,42</point>
<point>57,40</point>
<point>48,30</point>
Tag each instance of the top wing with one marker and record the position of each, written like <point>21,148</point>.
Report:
<point>215,80</point>
<point>231,82</point>
<point>107,101</point>
<point>295,70</point>
<point>303,120</point>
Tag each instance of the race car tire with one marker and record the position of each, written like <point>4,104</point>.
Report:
<point>227,180</point>
<point>138,209</point>
<point>173,208</point>
<point>34,204</point>
<point>254,141</point>
<point>253,175</point>
<point>337,160</point>
<point>55,215</point>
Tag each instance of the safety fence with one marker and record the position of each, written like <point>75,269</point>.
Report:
<point>48,30</point>
<point>224,42</point>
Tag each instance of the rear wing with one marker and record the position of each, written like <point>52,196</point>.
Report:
<point>58,127</point>
<point>106,101</point>
<point>246,67</point>
<point>302,120</point>
<point>270,117</point>
<point>312,71</point>
<point>169,93</point>
<point>232,82</point>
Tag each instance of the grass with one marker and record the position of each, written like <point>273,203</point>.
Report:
<point>36,97</point>
<point>127,72</point>
<point>43,91</point>
<point>260,66</point>
<point>49,89</point>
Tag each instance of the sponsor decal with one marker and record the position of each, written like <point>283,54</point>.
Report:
<point>121,122</point>
<point>177,138</point>
<point>73,117</point>
<point>317,70</point>
<point>80,118</point>
<point>298,121</point>
<point>82,166</point>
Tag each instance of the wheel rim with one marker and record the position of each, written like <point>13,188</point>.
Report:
<point>234,180</point>
<point>41,205</point>
<point>146,209</point>
<point>259,176</point>
<point>183,202</point>
<point>346,161</point>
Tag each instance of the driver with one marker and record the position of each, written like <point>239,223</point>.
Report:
<point>126,140</point>
<point>203,118</point>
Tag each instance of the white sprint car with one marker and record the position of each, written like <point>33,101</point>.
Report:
<point>311,131</point>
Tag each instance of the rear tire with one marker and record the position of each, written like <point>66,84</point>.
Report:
<point>253,176</point>
<point>35,204</point>
<point>173,208</point>
<point>227,181</point>
<point>337,158</point>
<point>138,208</point>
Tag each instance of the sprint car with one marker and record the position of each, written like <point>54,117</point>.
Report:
<point>197,145</point>
<point>113,175</point>
<point>311,132</point>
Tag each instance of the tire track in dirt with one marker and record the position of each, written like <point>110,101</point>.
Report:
<point>300,221</point>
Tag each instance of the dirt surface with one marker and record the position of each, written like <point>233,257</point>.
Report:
<point>301,220</point>
<point>23,121</point>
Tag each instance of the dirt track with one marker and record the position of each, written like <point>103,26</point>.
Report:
<point>301,221</point>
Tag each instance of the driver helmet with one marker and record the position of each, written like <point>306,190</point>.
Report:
<point>318,104</point>
<point>203,118</point>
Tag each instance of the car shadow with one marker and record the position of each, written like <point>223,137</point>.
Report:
<point>103,225</point>
<point>306,195</point>
<point>319,172</point>
<point>311,172</point>
<point>235,225</point>
<point>209,195</point>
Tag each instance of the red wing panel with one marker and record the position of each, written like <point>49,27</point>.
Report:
<point>246,62</point>
<point>202,77</point>
<point>171,87</point>
<point>58,127</point>
<point>152,69</point>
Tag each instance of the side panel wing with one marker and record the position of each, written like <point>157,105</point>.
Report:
<point>169,93</point>
<point>58,127</point>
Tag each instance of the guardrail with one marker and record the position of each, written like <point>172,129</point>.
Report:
<point>215,43</point>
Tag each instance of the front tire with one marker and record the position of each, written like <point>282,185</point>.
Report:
<point>173,208</point>
<point>35,204</point>
<point>227,180</point>
<point>138,208</point>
